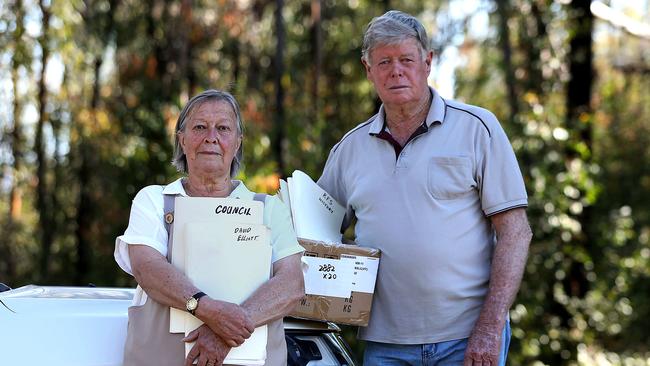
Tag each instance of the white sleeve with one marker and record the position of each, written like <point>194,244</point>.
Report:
<point>283,236</point>
<point>146,226</point>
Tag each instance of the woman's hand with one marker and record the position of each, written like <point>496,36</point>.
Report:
<point>209,348</point>
<point>227,320</point>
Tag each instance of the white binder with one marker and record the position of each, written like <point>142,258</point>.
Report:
<point>229,261</point>
<point>205,209</point>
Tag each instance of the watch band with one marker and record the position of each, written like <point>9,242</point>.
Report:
<point>198,295</point>
<point>193,302</point>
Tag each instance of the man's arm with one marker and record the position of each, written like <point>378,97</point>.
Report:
<point>278,296</point>
<point>508,264</point>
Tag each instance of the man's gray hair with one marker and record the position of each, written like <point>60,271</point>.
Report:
<point>179,160</point>
<point>392,28</point>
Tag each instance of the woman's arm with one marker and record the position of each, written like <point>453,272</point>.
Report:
<point>164,283</point>
<point>279,295</point>
<point>273,300</point>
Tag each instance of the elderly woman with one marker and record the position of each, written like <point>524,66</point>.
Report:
<point>208,149</point>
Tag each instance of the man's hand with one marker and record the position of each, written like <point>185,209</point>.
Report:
<point>209,348</point>
<point>227,320</point>
<point>508,263</point>
<point>483,348</point>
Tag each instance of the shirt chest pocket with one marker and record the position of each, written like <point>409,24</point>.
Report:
<point>450,177</point>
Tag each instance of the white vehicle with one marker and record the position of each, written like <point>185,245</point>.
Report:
<point>84,326</point>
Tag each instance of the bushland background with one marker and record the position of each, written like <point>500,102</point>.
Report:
<point>90,91</point>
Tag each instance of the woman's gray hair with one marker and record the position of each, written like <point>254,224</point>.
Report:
<point>392,28</point>
<point>179,160</point>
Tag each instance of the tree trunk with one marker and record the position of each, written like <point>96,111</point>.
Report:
<point>86,207</point>
<point>581,70</point>
<point>503,10</point>
<point>184,52</point>
<point>8,270</point>
<point>19,58</point>
<point>236,60</point>
<point>317,53</point>
<point>532,34</point>
<point>43,194</point>
<point>279,116</point>
<point>85,211</point>
<point>534,63</point>
<point>84,216</point>
<point>578,121</point>
<point>59,215</point>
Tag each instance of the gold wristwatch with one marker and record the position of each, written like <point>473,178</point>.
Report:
<point>193,302</point>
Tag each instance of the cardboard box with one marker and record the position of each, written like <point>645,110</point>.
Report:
<point>339,281</point>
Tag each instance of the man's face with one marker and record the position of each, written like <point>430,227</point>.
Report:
<point>399,72</point>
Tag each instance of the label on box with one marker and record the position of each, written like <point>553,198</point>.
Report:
<point>364,272</point>
<point>328,277</point>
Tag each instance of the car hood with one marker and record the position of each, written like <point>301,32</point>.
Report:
<point>81,325</point>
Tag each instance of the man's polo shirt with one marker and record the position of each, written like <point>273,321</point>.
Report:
<point>427,209</point>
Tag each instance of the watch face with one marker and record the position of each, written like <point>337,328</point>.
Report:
<point>192,304</point>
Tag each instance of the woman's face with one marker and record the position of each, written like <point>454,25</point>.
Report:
<point>210,139</point>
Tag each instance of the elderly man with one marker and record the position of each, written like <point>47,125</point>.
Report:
<point>435,185</point>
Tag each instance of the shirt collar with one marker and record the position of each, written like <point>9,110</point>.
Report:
<point>240,191</point>
<point>436,113</point>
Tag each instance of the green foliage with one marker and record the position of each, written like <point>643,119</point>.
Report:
<point>585,289</point>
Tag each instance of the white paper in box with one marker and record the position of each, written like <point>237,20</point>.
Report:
<point>339,277</point>
<point>316,215</point>
<point>364,272</point>
<point>327,277</point>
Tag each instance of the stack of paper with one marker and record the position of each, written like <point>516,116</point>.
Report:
<point>334,273</point>
<point>316,215</point>
<point>223,247</point>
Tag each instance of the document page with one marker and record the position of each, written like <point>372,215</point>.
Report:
<point>229,261</point>
<point>211,210</point>
<point>316,214</point>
